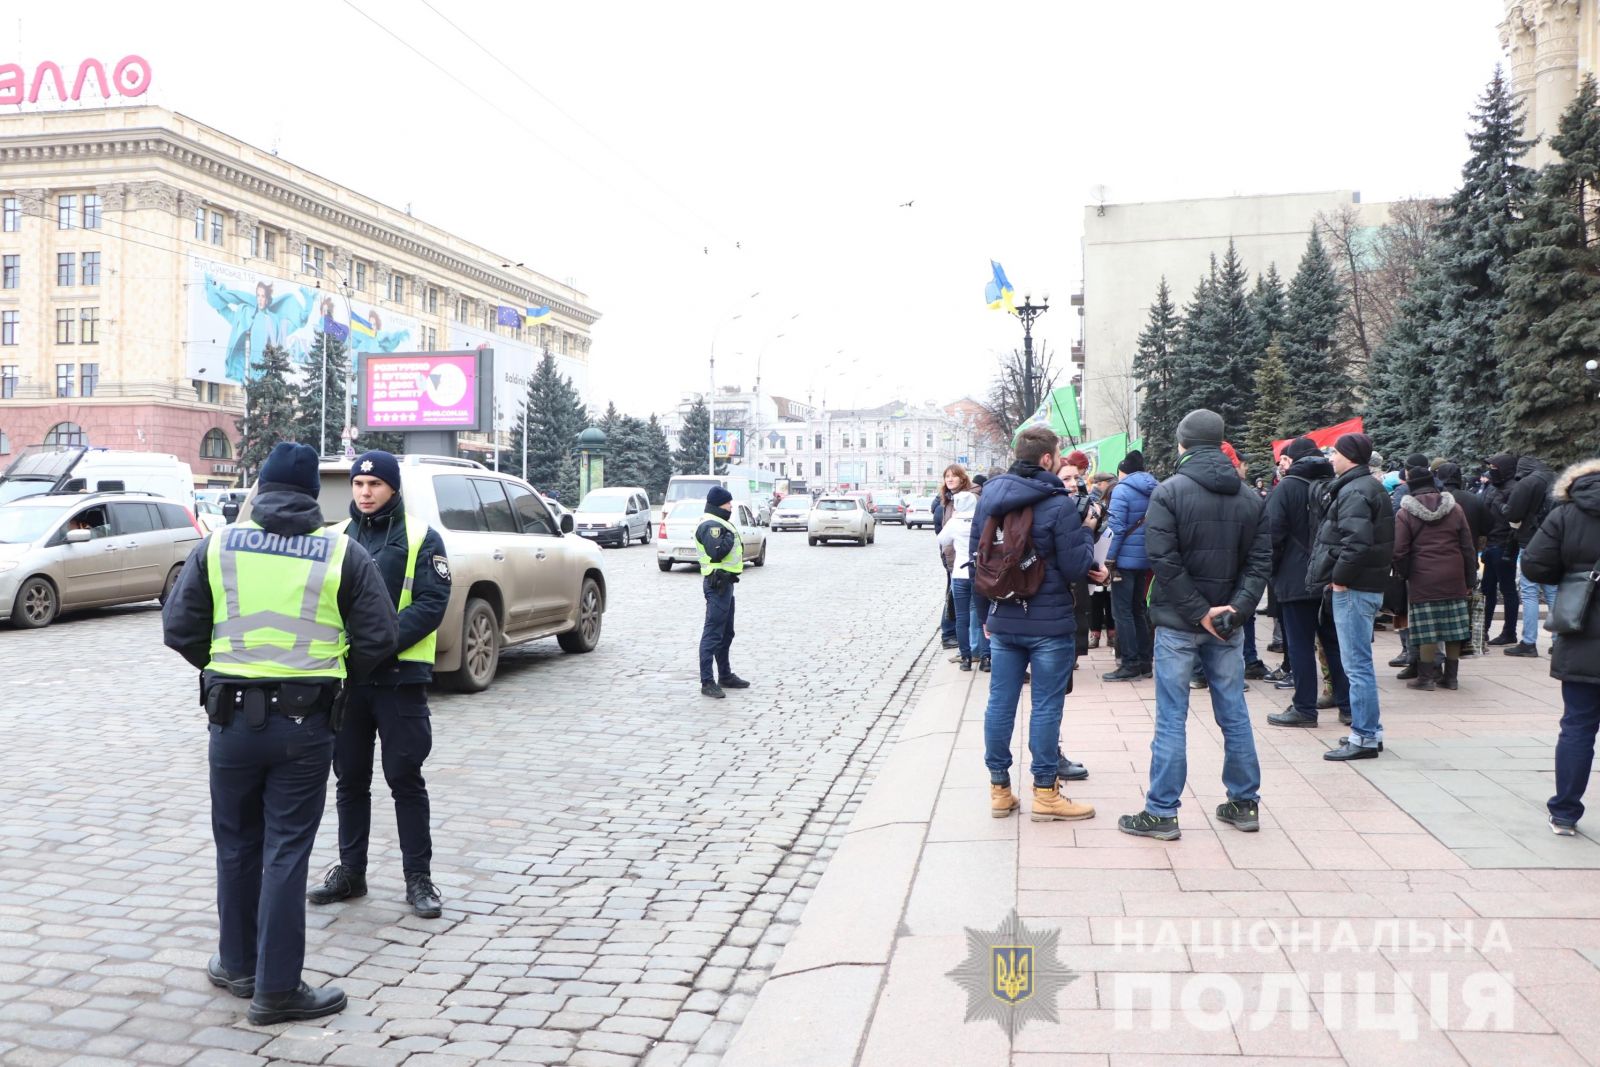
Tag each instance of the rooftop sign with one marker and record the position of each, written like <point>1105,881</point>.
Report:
<point>130,78</point>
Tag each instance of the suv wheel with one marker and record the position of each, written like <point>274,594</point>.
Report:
<point>591,607</point>
<point>172,580</point>
<point>480,647</point>
<point>36,604</point>
<point>664,564</point>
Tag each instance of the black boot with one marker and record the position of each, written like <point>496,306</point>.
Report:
<point>1407,657</point>
<point>1452,671</point>
<point>1410,667</point>
<point>983,664</point>
<point>733,681</point>
<point>423,896</point>
<point>303,1003</point>
<point>966,663</point>
<point>340,883</point>
<point>1425,676</point>
<point>240,985</point>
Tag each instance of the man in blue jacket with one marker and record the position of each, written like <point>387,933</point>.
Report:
<point>1039,632</point>
<point>1130,583</point>
<point>392,706</point>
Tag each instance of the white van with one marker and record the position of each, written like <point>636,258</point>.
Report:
<point>754,493</point>
<point>80,469</point>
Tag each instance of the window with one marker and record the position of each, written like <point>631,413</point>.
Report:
<point>930,470</point>
<point>431,339</point>
<point>844,440</point>
<point>8,381</point>
<point>199,224</point>
<point>880,440</point>
<point>91,212</point>
<point>65,317</point>
<point>214,445</point>
<point>269,245</point>
<point>66,268</point>
<point>131,518</point>
<point>905,466</point>
<point>863,440</point>
<point>172,516</point>
<point>66,433</point>
<point>91,268</point>
<point>461,311</point>
<point>305,259</point>
<point>930,439</point>
<point>397,288</point>
<point>8,327</point>
<point>64,377</point>
<point>207,392</point>
<point>317,262</point>
<point>5,444</point>
<point>253,242</point>
<point>88,378</point>
<point>905,440</point>
<point>216,227</point>
<point>11,213</point>
<point>819,445</point>
<point>819,470</point>
<point>89,326</point>
<point>496,507</point>
<point>458,504</point>
<point>433,301</point>
<point>361,277</point>
<point>12,271</point>
<point>64,211</point>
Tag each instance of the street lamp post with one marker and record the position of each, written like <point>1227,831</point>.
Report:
<point>711,396</point>
<point>1027,313</point>
<point>756,436</point>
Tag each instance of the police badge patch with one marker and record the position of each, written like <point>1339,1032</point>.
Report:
<point>441,567</point>
<point>1012,974</point>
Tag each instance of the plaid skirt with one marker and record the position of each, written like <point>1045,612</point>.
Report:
<point>1439,621</point>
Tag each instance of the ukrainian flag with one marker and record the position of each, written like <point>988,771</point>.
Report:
<point>538,315</point>
<point>999,290</point>
<point>361,326</point>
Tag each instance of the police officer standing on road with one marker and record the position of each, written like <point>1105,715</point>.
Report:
<point>263,609</point>
<point>392,706</point>
<point>721,562</point>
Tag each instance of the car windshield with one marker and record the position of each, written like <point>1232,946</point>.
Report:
<point>837,505</point>
<point>604,504</point>
<point>795,505</point>
<point>24,525</point>
<point>690,488</point>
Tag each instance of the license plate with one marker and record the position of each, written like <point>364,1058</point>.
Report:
<point>588,533</point>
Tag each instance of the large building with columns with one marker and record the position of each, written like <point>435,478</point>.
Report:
<point>148,259</point>
<point>1550,46</point>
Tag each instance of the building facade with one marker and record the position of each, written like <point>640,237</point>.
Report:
<point>148,259</point>
<point>1550,45</point>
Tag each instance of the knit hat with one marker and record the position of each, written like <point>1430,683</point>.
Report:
<point>1419,478</point>
<point>293,466</point>
<point>1300,448</point>
<point>1356,447</point>
<point>1200,427</point>
<point>1132,463</point>
<point>377,464</point>
<point>1502,466</point>
<point>979,479</point>
<point>1079,460</point>
<point>1449,474</point>
<point>1375,461</point>
<point>718,497</point>
<point>1415,459</point>
<point>1227,450</point>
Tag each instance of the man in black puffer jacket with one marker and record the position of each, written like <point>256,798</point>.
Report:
<point>1500,550</point>
<point>1352,554</point>
<point>393,705</point>
<point>1569,543</point>
<point>1210,549</point>
<point>1525,508</point>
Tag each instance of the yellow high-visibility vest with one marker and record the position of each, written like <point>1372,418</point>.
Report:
<point>733,562</point>
<point>425,650</point>
<point>275,603</point>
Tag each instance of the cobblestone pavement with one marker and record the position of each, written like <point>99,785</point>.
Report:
<point>622,860</point>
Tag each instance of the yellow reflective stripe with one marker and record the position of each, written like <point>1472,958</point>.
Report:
<point>267,641</point>
<point>425,650</point>
<point>733,562</point>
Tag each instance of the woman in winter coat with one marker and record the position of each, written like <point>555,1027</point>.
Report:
<point>1435,554</point>
<point>954,541</point>
<point>1568,542</point>
<point>953,481</point>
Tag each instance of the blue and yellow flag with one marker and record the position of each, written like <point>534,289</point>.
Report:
<point>999,290</point>
<point>538,315</point>
<point>361,326</point>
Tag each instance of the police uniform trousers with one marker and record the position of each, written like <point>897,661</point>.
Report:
<point>268,788</point>
<point>396,716</point>
<point>716,638</point>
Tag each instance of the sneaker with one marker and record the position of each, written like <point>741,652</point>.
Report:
<point>983,664</point>
<point>1121,674</point>
<point>1276,646</point>
<point>1002,801</point>
<point>712,690</point>
<point>423,896</point>
<point>1199,683</point>
<point>1286,682</point>
<point>1049,805</point>
<point>1255,671</point>
<point>733,681</point>
<point>949,642</point>
<point>1146,825</point>
<point>1291,716</point>
<point>1506,638</point>
<point>1344,717</point>
<point>1278,674</point>
<point>1563,828</point>
<point>1402,660</point>
<point>340,883</point>
<point>1245,814</point>
<point>1523,649</point>
<point>966,663</point>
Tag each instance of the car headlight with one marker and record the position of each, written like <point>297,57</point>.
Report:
<point>620,522</point>
<point>7,565</point>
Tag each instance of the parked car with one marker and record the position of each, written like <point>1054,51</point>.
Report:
<point>69,551</point>
<point>209,512</point>
<point>616,515</point>
<point>792,512</point>
<point>890,510</point>
<point>920,513</point>
<point>40,469</point>
<point>694,487</point>
<point>518,573</point>
<point>675,537</point>
<point>863,495</point>
<point>841,518</point>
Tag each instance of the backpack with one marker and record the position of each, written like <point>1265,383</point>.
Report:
<point>1007,568</point>
<point>1317,499</point>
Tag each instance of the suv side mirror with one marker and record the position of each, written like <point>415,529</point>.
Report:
<point>566,522</point>
<point>78,537</point>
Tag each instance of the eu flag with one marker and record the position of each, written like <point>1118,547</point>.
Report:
<point>507,316</point>
<point>336,330</point>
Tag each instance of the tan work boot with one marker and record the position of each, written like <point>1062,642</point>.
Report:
<point>1049,804</point>
<point>1002,801</point>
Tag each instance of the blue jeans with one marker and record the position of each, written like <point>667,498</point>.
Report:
<point>947,622</point>
<point>1500,583</point>
<point>1010,657</point>
<point>1531,592</point>
<point>961,590</point>
<point>980,615</point>
<point>1130,607</point>
<point>1580,717</point>
<point>1353,614</point>
<point>1176,654</point>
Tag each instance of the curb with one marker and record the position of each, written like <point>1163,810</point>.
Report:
<point>816,1008</point>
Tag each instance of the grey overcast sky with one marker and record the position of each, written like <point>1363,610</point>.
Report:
<point>671,159</point>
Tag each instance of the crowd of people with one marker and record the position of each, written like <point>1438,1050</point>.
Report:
<point>1043,559</point>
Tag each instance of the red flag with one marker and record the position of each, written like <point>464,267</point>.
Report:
<point>1323,437</point>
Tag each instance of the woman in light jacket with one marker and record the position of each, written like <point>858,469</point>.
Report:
<point>954,537</point>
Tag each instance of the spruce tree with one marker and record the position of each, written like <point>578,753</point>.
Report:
<point>694,440</point>
<point>309,421</point>
<point>269,410</point>
<point>1319,370</point>
<point>554,416</point>
<point>1268,311</point>
<point>1473,251</point>
<point>1195,381</point>
<point>1234,329</point>
<point>1153,358</point>
<point>660,468</point>
<point>1274,417</point>
<point>1551,323</point>
<point>1401,413</point>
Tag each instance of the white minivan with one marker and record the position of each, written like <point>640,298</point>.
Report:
<point>617,515</point>
<point>42,469</point>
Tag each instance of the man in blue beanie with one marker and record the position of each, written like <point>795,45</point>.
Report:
<point>721,562</point>
<point>392,707</point>
<point>272,707</point>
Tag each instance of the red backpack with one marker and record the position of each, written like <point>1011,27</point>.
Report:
<point>1008,569</point>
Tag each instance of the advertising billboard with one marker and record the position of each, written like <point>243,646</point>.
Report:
<point>425,390</point>
<point>727,443</point>
<point>235,312</point>
<point>514,364</point>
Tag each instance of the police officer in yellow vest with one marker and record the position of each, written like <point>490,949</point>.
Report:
<point>721,562</point>
<point>392,707</point>
<point>278,614</point>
